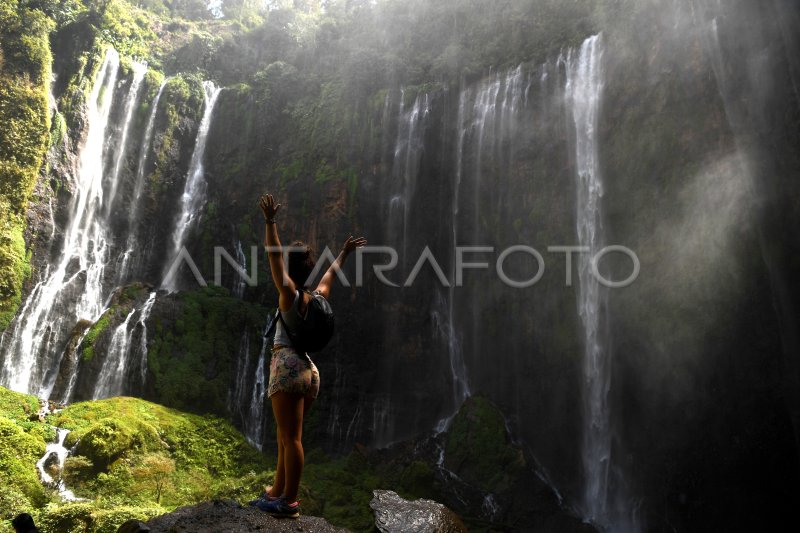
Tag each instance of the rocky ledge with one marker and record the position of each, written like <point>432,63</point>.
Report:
<point>226,516</point>
<point>392,513</point>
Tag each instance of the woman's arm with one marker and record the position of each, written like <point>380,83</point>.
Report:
<point>280,276</point>
<point>324,287</point>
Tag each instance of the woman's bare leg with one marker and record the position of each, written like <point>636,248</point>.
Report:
<point>288,409</point>
<point>280,470</point>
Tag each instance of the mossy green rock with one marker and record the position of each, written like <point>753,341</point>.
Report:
<point>478,447</point>
<point>109,439</point>
<point>115,428</point>
<point>117,440</point>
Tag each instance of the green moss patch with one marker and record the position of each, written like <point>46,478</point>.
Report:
<point>478,449</point>
<point>87,345</point>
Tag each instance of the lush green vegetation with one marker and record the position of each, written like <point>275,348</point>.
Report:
<point>24,74</point>
<point>192,355</point>
<point>135,452</point>
<point>305,83</point>
<point>137,459</point>
<point>133,459</point>
<point>22,443</point>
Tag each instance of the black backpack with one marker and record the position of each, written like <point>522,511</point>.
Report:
<point>314,331</point>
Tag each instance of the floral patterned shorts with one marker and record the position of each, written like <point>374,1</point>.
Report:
<point>290,371</point>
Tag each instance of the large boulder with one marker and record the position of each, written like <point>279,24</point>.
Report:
<point>394,514</point>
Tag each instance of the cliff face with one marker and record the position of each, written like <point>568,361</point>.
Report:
<point>697,117</point>
<point>700,337</point>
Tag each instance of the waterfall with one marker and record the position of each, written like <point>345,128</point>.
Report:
<point>353,424</point>
<point>194,192</point>
<point>382,421</point>
<point>583,93</point>
<point>73,289</point>
<point>116,370</point>
<point>584,85</point>
<point>124,271</point>
<point>246,397</point>
<point>97,240</point>
<point>409,146</point>
<point>485,126</point>
<point>458,370</point>
<point>401,185</point>
<point>143,316</point>
<point>241,396</point>
<point>112,375</point>
<point>55,118</point>
<point>238,393</point>
<point>253,423</point>
<point>494,110</point>
<point>338,428</point>
<point>239,282</point>
<point>139,70</point>
<point>751,66</point>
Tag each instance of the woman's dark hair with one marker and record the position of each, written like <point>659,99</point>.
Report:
<point>301,263</point>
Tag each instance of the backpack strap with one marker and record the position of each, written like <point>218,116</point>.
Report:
<point>273,324</point>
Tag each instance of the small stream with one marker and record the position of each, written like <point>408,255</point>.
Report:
<point>57,453</point>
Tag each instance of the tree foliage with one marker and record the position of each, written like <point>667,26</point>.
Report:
<point>155,473</point>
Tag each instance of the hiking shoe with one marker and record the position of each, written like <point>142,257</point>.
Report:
<point>264,497</point>
<point>280,508</point>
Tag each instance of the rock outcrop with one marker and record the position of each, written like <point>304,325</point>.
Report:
<point>228,516</point>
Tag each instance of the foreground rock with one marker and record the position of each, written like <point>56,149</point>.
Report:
<point>228,516</point>
<point>394,514</point>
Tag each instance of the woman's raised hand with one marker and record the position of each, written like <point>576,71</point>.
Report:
<point>352,243</point>
<point>268,206</point>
